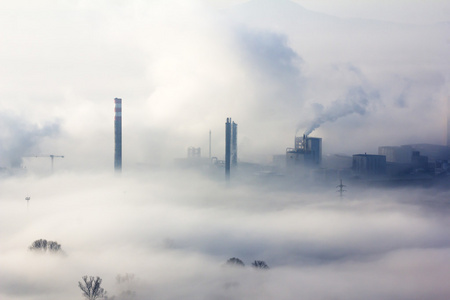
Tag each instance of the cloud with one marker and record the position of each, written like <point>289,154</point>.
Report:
<point>269,51</point>
<point>275,70</point>
<point>355,101</point>
<point>358,97</point>
<point>109,226</point>
<point>181,70</point>
<point>21,138</point>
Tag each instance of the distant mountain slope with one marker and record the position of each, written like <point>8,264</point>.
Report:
<point>312,33</point>
<point>277,14</point>
<point>280,12</point>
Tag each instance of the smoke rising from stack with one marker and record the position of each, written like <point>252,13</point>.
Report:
<point>184,69</point>
<point>356,101</point>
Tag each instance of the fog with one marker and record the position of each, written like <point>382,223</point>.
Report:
<point>182,67</point>
<point>175,235</point>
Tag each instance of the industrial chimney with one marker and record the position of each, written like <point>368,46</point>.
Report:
<point>227,148</point>
<point>448,122</point>
<point>118,134</point>
<point>234,144</point>
<point>230,146</point>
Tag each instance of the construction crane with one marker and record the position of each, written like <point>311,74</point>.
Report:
<point>44,155</point>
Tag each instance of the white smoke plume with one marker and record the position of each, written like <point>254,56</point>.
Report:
<point>181,69</point>
<point>356,101</point>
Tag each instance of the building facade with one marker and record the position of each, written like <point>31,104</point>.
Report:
<point>307,152</point>
<point>369,164</point>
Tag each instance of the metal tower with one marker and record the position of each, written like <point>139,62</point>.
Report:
<point>341,189</point>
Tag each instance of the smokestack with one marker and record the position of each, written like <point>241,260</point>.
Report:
<point>210,146</point>
<point>234,145</point>
<point>448,122</point>
<point>230,147</point>
<point>227,148</point>
<point>118,134</point>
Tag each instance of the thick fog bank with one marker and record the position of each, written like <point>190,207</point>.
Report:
<point>167,235</point>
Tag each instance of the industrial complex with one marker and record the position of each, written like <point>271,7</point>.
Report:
<point>304,162</point>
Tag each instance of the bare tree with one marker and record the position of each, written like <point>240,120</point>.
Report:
<point>235,262</point>
<point>260,264</point>
<point>44,245</point>
<point>91,288</point>
<point>126,283</point>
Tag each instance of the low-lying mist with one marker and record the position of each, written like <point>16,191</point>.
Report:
<point>167,235</point>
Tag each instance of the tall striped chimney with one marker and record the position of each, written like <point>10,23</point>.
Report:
<point>234,144</point>
<point>118,134</point>
<point>448,122</point>
<point>227,149</point>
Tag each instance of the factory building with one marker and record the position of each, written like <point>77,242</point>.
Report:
<point>307,152</point>
<point>402,155</point>
<point>433,152</point>
<point>419,161</point>
<point>369,164</point>
<point>403,160</point>
<point>194,159</point>
<point>194,152</point>
<point>337,162</point>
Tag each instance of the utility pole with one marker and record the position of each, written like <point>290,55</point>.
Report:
<point>341,189</point>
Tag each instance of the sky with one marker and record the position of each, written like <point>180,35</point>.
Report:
<point>403,11</point>
<point>183,67</point>
<point>357,75</point>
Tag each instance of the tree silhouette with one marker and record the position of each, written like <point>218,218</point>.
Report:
<point>235,262</point>
<point>91,288</point>
<point>125,283</point>
<point>260,264</point>
<point>44,245</point>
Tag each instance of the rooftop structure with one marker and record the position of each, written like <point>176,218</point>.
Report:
<point>194,152</point>
<point>307,151</point>
<point>434,152</point>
